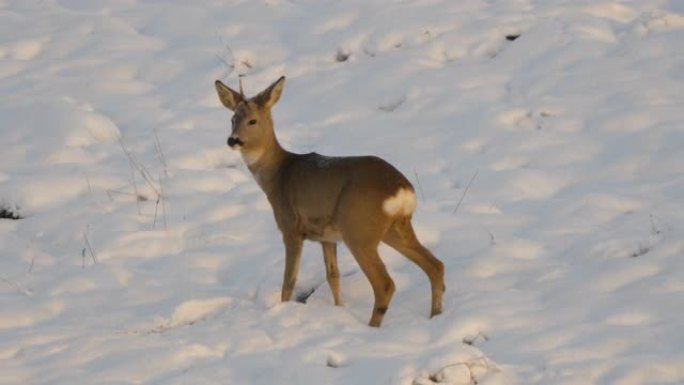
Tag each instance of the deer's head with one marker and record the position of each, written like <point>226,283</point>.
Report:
<point>252,125</point>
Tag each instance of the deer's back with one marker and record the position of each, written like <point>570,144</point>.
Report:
<point>317,190</point>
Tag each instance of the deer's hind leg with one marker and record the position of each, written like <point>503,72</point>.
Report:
<point>376,272</point>
<point>402,238</point>
<point>362,234</point>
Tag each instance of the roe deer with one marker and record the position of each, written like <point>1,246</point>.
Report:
<point>360,200</point>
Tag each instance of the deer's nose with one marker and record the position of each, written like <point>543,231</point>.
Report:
<point>234,141</point>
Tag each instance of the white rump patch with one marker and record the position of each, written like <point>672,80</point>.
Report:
<point>401,203</point>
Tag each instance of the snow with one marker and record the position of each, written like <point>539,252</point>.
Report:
<point>148,254</point>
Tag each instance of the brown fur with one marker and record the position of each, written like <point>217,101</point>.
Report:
<point>329,199</point>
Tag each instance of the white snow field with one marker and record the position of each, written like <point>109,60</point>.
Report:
<point>549,170</point>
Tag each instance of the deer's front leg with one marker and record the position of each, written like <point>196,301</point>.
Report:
<point>293,253</point>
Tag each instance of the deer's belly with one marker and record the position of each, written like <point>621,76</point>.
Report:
<point>321,230</point>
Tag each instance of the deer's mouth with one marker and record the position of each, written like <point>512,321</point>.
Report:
<point>235,142</point>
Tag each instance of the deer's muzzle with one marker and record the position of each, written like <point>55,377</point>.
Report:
<point>234,141</point>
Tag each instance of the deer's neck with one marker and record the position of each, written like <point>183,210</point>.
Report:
<point>265,163</point>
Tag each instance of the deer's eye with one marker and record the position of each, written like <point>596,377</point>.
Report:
<point>252,122</point>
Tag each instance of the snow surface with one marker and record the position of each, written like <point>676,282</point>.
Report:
<point>148,255</point>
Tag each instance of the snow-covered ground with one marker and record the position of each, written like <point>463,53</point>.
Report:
<point>147,254</point>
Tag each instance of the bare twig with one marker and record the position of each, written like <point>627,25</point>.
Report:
<point>136,195</point>
<point>492,239</point>
<point>89,246</point>
<point>161,197</point>
<point>117,191</point>
<point>465,191</point>
<point>163,200</point>
<point>156,186</point>
<point>156,208</point>
<point>90,188</point>
<point>230,65</point>
<point>135,187</point>
<point>140,168</point>
<point>160,153</point>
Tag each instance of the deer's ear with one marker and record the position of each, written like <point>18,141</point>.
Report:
<point>270,95</point>
<point>227,96</point>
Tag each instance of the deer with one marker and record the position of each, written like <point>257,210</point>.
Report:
<point>358,200</point>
